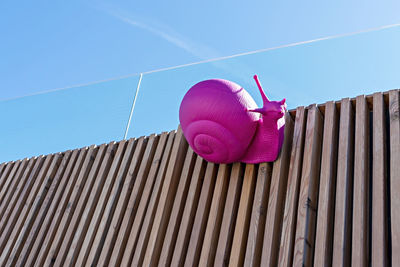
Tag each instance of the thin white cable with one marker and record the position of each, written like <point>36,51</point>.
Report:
<point>215,59</point>
<point>133,106</point>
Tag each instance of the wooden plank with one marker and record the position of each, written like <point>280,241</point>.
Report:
<point>135,210</point>
<point>37,200</point>
<point>133,156</point>
<point>2,167</point>
<point>95,204</point>
<point>276,198</point>
<point>379,255</point>
<point>96,178</point>
<point>308,196</point>
<point>215,217</point>
<point>167,195</point>
<point>243,218</point>
<point>11,185</point>
<point>17,169</point>
<point>229,218</point>
<point>258,215</point>
<point>326,198</point>
<point>50,186</point>
<point>50,214</point>
<point>25,214</point>
<point>133,177</point>
<point>57,222</point>
<point>139,234</point>
<point>43,200</point>
<point>16,214</point>
<point>201,217</point>
<point>359,245</point>
<point>5,174</point>
<point>90,166</point>
<point>192,200</point>
<point>394,115</point>
<point>344,187</point>
<point>177,209</point>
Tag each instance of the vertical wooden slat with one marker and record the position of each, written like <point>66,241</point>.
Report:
<point>201,218</point>
<point>308,196</point>
<point>215,217</point>
<point>23,224</point>
<point>164,207</point>
<point>90,219</point>
<point>326,200</point>
<point>133,177</point>
<point>177,209</point>
<point>141,227</point>
<point>344,190</point>
<point>359,248</point>
<point>5,174</point>
<point>379,183</point>
<point>258,215</point>
<point>96,223</point>
<point>132,158</point>
<point>136,206</point>
<point>243,218</point>
<point>96,178</point>
<point>192,200</point>
<point>49,235</point>
<point>17,182</point>
<point>2,167</point>
<point>50,215</point>
<point>288,229</point>
<point>8,184</point>
<point>12,227</point>
<point>50,187</point>
<point>394,115</point>
<point>90,166</point>
<point>229,218</point>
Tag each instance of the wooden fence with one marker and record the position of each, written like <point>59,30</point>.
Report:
<point>332,197</point>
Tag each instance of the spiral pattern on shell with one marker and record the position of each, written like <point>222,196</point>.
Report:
<point>214,119</point>
<point>213,141</point>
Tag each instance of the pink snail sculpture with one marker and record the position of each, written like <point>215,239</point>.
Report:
<point>222,123</point>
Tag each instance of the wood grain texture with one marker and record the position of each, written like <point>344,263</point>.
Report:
<point>379,255</point>
<point>394,115</point>
<point>166,200</point>
<point>285,256</point>
<point>201,217</point>
<point>215,217</point>
<point>258,215</point>
<point>229,217</point>
<point>308,195</point>
<point>132,179</point>
<point>90,165</point>
<point>136,206</point>
<point>177,209</point>
<point>360,253</point>
<point>50,216</point>
<point>331,198</point>
<point>243,218</point>
<point>326,198</point>
<point>344,187</point>
<point>191,203</point>
<point>142,224</point>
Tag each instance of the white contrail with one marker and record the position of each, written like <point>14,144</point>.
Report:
<point>214,59</point>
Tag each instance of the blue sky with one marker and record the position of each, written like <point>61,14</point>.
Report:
<point>54,44</point>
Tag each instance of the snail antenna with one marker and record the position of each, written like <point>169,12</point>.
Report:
<point>264,97</point>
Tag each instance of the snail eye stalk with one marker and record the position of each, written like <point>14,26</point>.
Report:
<point>264,97</point>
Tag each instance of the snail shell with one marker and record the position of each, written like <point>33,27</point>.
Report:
<point>214,119</point>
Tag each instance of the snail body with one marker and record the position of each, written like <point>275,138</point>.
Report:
<point>222,123</point>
